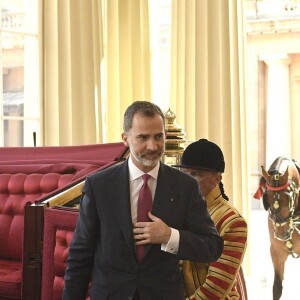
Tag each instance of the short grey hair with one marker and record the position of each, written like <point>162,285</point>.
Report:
<point>145,108</point>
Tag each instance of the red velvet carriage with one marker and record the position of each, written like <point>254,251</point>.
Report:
<point>29,179</point>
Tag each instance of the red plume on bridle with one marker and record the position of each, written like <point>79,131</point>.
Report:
<point>261,188</point>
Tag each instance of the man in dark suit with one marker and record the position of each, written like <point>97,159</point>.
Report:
<point>108,231</point>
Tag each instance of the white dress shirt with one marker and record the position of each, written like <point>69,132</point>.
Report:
<point>136,182</point>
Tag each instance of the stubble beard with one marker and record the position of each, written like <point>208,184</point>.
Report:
<point>145,161</point>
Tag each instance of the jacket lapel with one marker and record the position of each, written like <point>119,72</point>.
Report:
<point>121,192</point>
<point>165,197</point>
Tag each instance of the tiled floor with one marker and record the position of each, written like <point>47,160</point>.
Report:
<point>260,278</point>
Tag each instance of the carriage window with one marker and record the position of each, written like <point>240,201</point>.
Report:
<point>19,73</point>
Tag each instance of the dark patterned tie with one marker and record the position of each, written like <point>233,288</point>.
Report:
<point>144,206</point>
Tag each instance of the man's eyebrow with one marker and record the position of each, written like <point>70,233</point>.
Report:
<point>144,135</point>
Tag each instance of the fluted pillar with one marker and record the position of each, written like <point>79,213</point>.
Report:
<point>278,115</point>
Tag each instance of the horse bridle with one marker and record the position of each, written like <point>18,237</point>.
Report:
<point>294,221</point>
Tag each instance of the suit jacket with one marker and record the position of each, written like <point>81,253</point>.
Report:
<point>103,250</point>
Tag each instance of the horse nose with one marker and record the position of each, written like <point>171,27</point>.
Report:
<point>282,233</point>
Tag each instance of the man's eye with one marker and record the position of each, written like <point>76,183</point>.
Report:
<point>141,137</point>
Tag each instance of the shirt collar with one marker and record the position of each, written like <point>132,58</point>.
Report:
<point>135,172</point>
<point>213,195</point>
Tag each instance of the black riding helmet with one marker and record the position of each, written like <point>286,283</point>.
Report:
<point>204,155</point>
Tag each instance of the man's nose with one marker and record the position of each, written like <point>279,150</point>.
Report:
<point>152,144</point>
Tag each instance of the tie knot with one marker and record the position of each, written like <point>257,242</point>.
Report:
<point>146,177</point>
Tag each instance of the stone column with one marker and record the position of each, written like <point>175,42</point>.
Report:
<point>278,115</point>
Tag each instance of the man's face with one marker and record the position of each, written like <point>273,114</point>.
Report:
<point>207,179</point>
<point>146,141</point>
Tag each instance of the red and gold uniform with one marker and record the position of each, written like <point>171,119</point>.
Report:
<point>217,280</point>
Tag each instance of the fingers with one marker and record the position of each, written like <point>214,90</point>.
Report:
<point>152,217</point>
<point>140,236</point>
<point>141,233</point>
<point>141,239</point>
<point>154,232</point>
<point>140,225</point>
<point>151,232</point>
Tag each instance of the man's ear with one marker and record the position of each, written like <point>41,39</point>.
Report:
<point>124,139</point>
<point>218,178</point>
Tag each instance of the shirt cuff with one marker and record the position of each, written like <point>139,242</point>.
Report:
<point>173,243</point>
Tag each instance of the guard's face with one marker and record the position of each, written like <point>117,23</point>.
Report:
<point>207,179</point>
<point>146,141</point>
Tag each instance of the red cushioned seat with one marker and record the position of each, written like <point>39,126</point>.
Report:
<point>16,191</point>
<point>10,279</point>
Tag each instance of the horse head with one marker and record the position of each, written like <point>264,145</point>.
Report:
<point>280,196</point>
